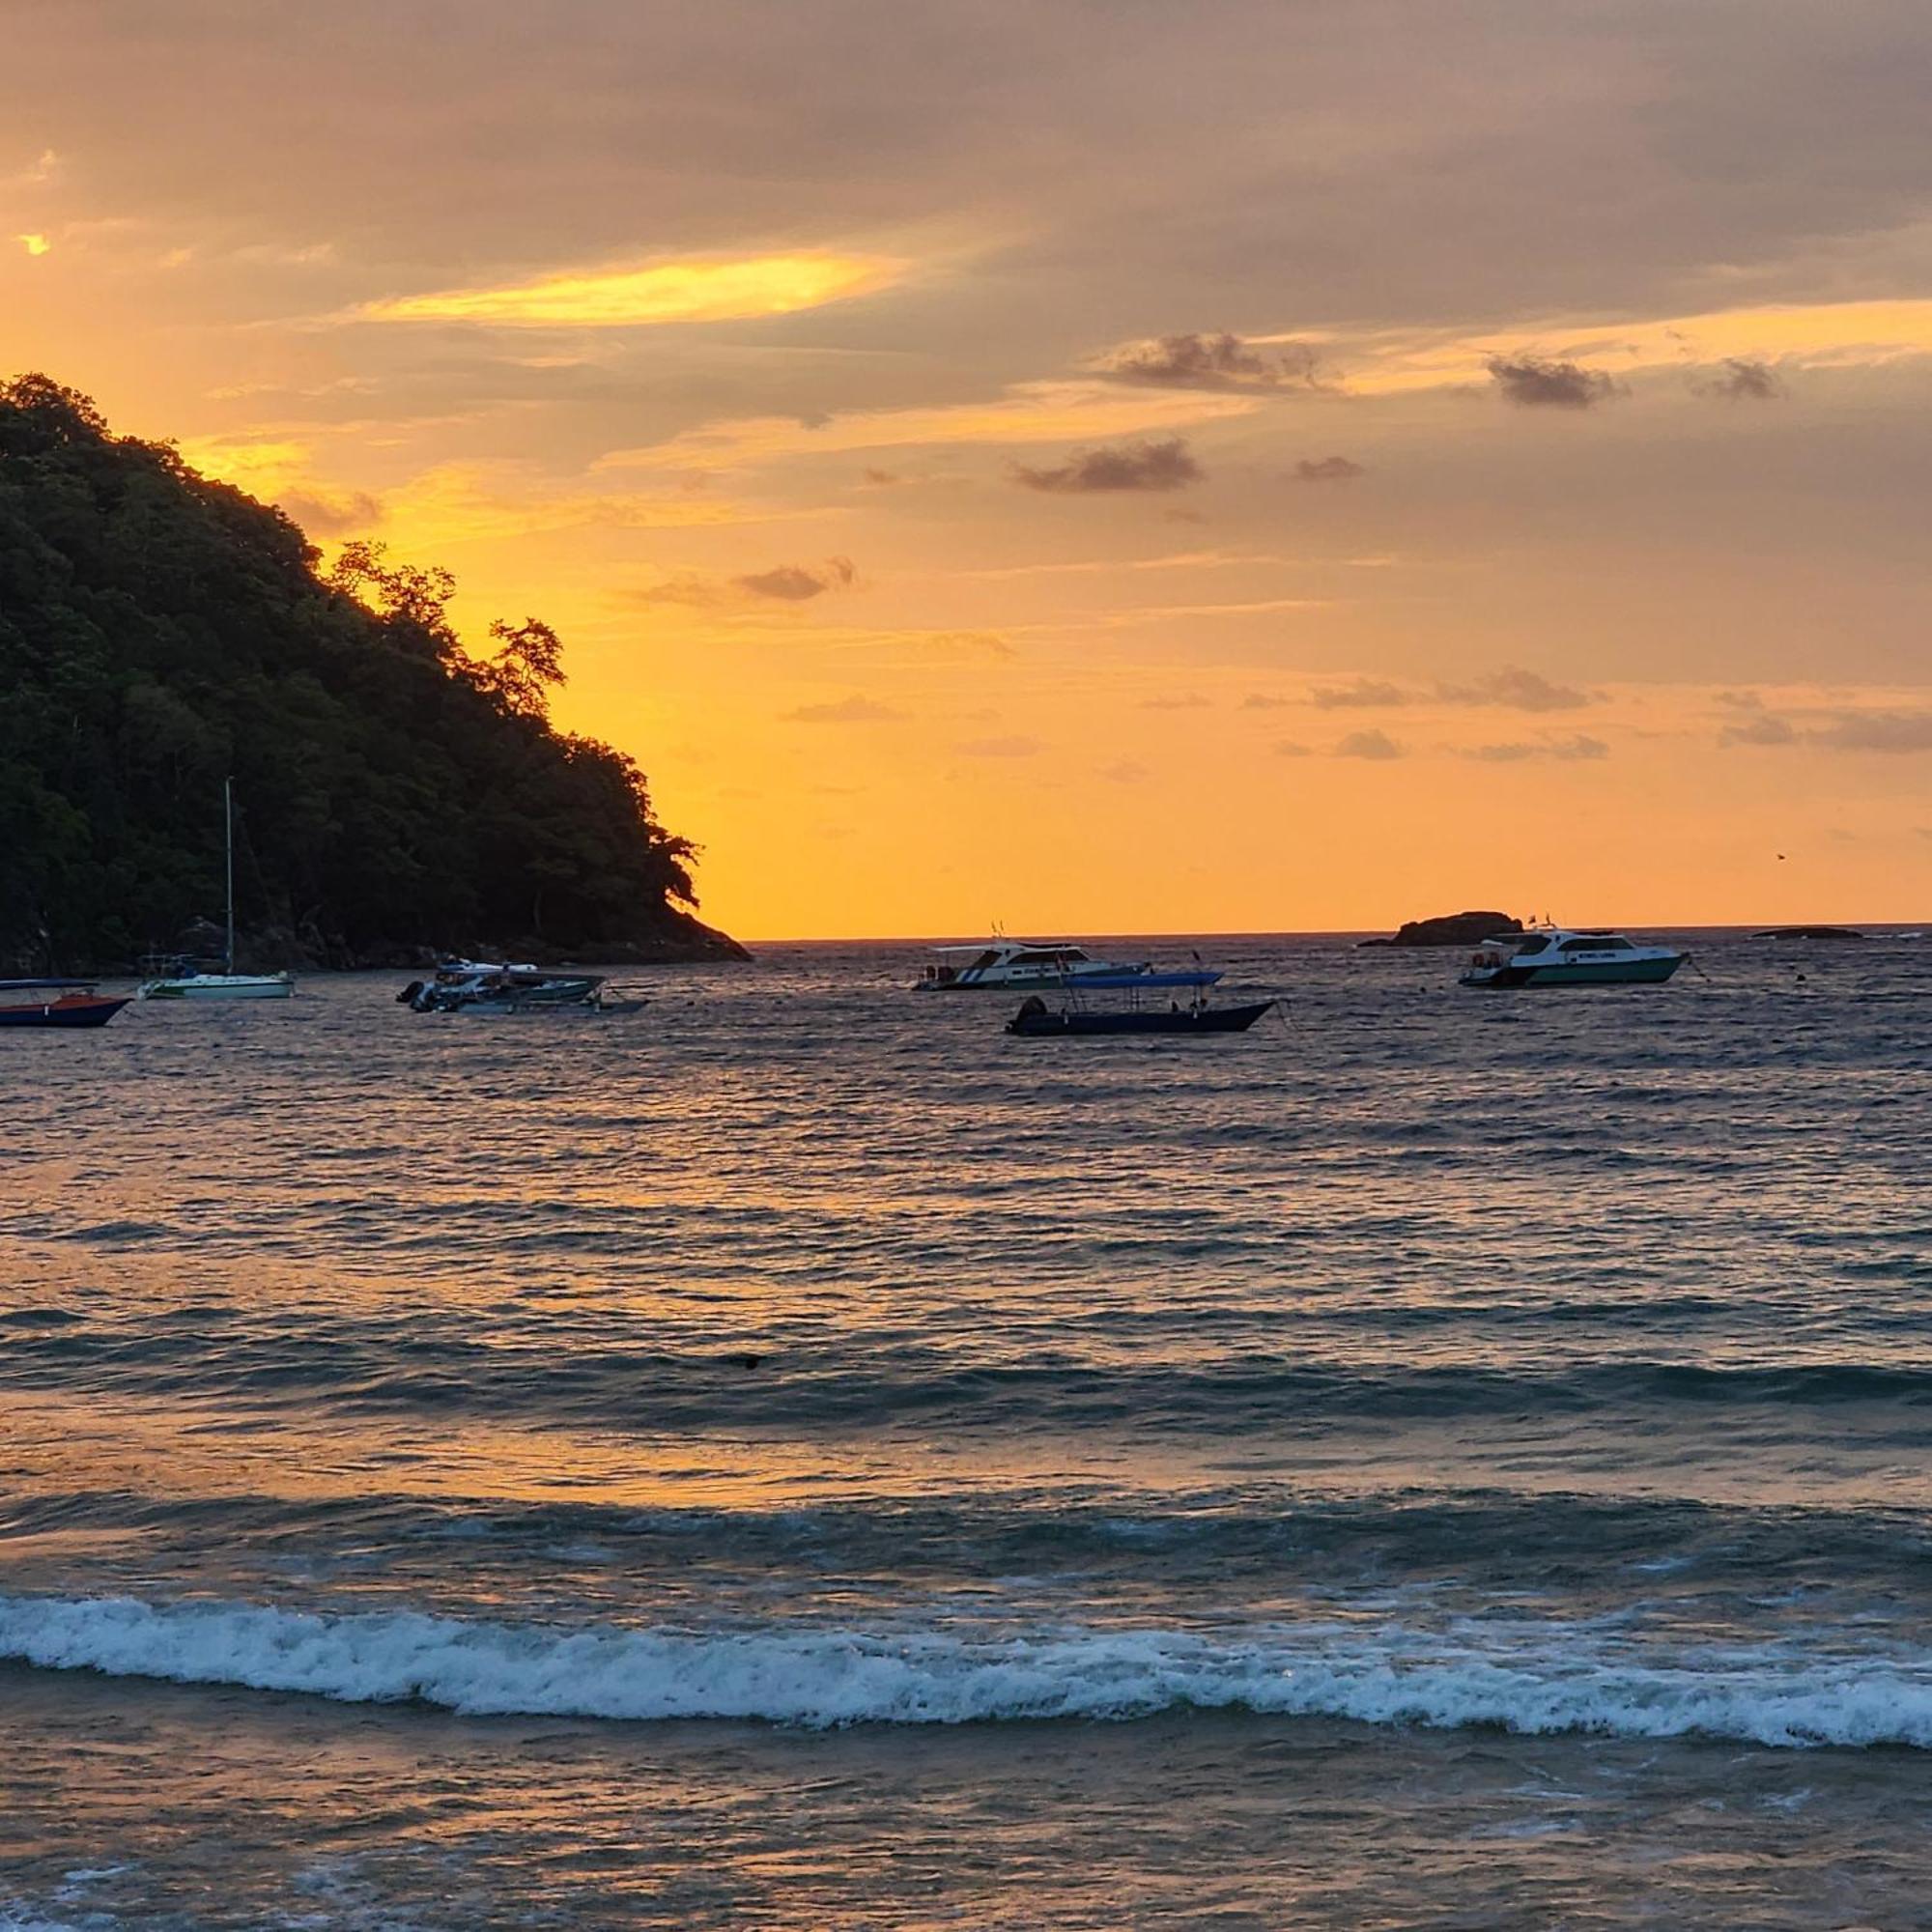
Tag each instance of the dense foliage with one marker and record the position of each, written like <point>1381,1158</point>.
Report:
<point>161,632</point>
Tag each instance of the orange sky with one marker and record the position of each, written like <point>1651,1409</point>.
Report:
<point>1101,466</point>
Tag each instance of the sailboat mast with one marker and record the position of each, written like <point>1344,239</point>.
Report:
<point>228,815</point>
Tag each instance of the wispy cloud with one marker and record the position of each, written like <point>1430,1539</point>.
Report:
<point>1026,412</point>
<point>1534,381</point>
<point>1329,470</point>
<point>1000,747</point>
<point>1215,361</point>
<point>1364,693</point>
<point>1577,747</point>
<point>654,293</point>
<point>854,710</point>
<point>1375,745</point>
<point>1132,465</point>
<point>795,583</point>
<point>1740,379</point>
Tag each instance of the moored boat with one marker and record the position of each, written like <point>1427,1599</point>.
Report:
<point>56,1002</point>
<point>184,978</point>
<point>1554,956</point>
<point>486,986</point>
<point>1037,1020</point>
<point>1002,963</point>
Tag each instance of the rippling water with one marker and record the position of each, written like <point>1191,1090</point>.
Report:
<point>796,1455</point>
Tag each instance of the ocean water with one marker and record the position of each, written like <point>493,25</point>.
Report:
<point>797,1457</point>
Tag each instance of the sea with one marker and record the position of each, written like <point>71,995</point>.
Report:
<point>795,1456</point>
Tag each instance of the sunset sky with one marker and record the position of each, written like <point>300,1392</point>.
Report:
<point>1091,466</point>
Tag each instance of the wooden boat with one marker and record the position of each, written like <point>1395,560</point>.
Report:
<point>55,1002</point>
<point>1037,1020</point>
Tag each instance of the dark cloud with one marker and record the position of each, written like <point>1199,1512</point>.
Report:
<point>1877,731</point>
<point>1535,382</point>
<point>1895,732</point>
<point>1366,693</point>
<point>793,582</point>
<point>1759,727</point>
<point>1577,747</point>
<point>1125,772</point>
<point>1367,744</point>
<point>881,478</point>
<point>1329,470</point>
<point>1514,688</point>
<point>1179,701</point>
<point>1261,700</point>
<point>1739,379</point>
<point>853,710</point>
<point>1286,748</point>
<point>1221,361</point>
<point>1130,466</point>
<point>321,515</point>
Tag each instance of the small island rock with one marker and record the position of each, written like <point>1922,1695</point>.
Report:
<point>1452,928</point>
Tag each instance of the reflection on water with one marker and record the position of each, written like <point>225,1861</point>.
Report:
<point>800,1349</point>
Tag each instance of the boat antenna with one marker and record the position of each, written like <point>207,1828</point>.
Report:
<point>228,817</point>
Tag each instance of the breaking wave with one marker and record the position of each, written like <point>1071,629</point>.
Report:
<point>1554,1679</point>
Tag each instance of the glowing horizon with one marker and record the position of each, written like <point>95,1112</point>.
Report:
<point>986,488</point>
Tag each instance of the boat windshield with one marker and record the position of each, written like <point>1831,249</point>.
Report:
<point>1596,942</point>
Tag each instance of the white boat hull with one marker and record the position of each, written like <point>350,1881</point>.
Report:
<point>221,987</point>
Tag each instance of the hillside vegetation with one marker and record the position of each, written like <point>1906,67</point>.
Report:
<point>161,632</point>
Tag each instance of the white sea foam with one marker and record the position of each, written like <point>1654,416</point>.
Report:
<point>1563,1680</point>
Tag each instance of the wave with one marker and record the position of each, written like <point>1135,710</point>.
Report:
<point>1549,1679</point>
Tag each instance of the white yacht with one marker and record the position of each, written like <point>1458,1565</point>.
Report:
<point>1555,956</point>
<point>1026,963</point>
<point>183,980</point>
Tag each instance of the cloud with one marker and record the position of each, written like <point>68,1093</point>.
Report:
<point>1286,748</point>
<point>1221,361</point>
<point>1059,412</point>
<point>794,584</point>
<point>881,479</point>
<point>1130,466</point>
<point>1891,732</point>
<point>853,710</point>
<point>1535,382</point>
<point>1179,701</point>
<point>1514,688</point>
<point>1125,772</point>
<point>1260,701</point>
<point>653,293</point>
<point>1329,470</point>
<point>1763,727</point>
<point>1376,744</point>
<point>1877,731</point>
<point>1741,378</point>
<point>325,512</point>
<point>1000,747</point>
<point>1366,693</point>
<point>1577,747</point>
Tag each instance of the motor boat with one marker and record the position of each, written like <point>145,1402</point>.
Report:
<point>56,1002</point>
<point>1001,964</point>
<point>1037,1020</point>
<point>485,986</point>
<point>1554,956</point>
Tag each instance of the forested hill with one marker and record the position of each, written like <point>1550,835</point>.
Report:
<point>161,632</point>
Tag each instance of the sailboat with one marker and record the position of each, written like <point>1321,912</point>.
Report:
<point>227,985</point>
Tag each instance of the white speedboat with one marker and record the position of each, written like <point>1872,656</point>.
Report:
<point>180,978</point>
<point>1555,956</point>
<point>191,985</point>
<point>1028,964</point>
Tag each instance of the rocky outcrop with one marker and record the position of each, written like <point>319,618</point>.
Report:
<point>1451,928</point>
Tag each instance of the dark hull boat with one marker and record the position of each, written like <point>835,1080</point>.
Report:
<point>67,1005</point>
<point>1037,1021</point>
